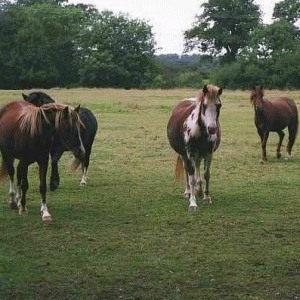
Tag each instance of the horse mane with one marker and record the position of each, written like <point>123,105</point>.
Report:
<point>32,117</point>
<point>211,90</point>
<point>31,120</point>
<point>60,111</point>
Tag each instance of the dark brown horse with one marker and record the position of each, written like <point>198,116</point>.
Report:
<point>88,133</point>
<point>194,133</point>
<point>274,116</point>
<point>26,133</point>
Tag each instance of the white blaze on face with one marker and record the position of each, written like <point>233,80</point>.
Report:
<point>209,117</point>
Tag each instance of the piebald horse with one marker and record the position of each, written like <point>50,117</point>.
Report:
<point>26,134</point>
<point>194,133</point>
<point>274,116</point>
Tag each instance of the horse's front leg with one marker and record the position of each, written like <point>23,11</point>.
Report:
<point>190,167</point>
<point>46,217</point>
<point>22,186</point>
<point>264,138</point>
<point>281,137</point>
<point>207,163</point>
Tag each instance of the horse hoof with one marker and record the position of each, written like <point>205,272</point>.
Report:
<point>22,211</point>
<point>207,201</point>
<point>83,183</point>
<point>278,155</point>
<point>47,219</point>
<point>193,208</point>
<point>262,161</point>
<point>13,205</point>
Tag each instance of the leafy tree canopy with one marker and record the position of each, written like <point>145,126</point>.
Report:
<point>287,10</point>
<point>223,25</point>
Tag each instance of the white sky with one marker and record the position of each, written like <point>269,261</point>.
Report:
<point>169,18</point>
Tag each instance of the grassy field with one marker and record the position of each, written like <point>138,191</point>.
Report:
<point>129,235</point>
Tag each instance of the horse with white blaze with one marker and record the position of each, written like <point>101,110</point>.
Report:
<point>194,133</point>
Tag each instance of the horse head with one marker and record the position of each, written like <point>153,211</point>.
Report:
<point>256,98</point>
<point>38,98</point>
<point>210,105</point>
<point>68,125</point>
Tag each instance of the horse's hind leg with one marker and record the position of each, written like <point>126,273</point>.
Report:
<point>22,172</point>
<point>85,166</point>
<point>281,137</point>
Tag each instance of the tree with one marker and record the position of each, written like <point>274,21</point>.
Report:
<point>39,49</point>
<point>223,25</point>
<point>116,51</point>
<point>288,10</point>
<point>273,40</point>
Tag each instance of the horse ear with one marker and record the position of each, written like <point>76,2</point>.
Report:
<point>24,97</point>
<point>220,91</point>
<point>66,111</point>
<point>205,89</point>
<point>77,108</point>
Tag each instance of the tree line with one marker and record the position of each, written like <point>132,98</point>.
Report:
<point>46,43</point>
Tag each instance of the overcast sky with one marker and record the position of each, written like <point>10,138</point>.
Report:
<point>169,18</point>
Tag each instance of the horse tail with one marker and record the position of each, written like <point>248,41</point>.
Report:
<point>3,170</point>
<point>179,170</point>
<point>75,164</point>
<point>293,130</point>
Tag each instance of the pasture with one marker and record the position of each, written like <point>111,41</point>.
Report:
<point>129,235</point>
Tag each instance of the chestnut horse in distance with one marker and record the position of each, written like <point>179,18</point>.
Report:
<point>274,116</point>
<point>194,133</point>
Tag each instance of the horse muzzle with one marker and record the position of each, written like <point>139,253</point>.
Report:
<point>212,130</point>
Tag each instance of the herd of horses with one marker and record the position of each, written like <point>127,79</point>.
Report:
<point>38,128</point>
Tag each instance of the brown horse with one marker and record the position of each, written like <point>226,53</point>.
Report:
<point>274,116</point>
<point>194,133</point>
<point>26,133</point>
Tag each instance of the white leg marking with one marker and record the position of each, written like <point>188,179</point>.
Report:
<point>46,217</point>
<point>18,201</point>
<point>84,177</point>
<point>288,156</point>
<point>12,195</point>
<point>192,182</point>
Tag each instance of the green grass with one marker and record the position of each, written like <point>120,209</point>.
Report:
<point>128,234</point>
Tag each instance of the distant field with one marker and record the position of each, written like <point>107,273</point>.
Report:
<point>129,235</point>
